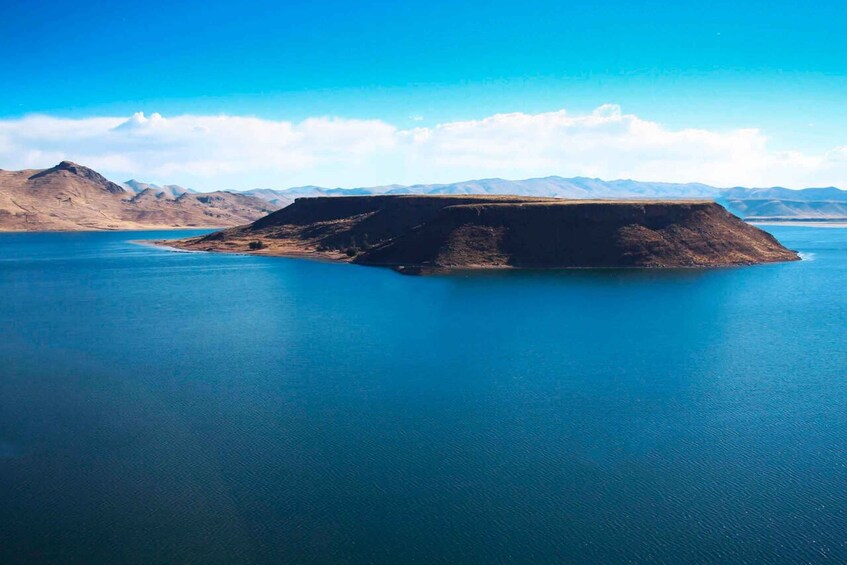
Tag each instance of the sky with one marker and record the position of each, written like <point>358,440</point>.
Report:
<point>218,95</point>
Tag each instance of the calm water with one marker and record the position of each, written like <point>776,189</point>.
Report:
<point>169,407</point>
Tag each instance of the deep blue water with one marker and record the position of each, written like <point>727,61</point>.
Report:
<point>158,406</point>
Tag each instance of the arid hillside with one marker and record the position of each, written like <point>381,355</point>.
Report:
<point>414,233</point>
<point>72,197</point>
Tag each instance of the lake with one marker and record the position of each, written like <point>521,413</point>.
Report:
<point>158,406</point>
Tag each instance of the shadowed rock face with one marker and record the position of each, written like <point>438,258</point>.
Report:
<point>457,232</point>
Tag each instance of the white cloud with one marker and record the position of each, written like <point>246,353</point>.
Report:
<point>223,151</point>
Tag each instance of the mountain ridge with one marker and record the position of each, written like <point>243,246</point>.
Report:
<point>72,197</point>
<point>171,191</point>
<point>821,203</point>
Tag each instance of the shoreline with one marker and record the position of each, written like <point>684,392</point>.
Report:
<point>429,270</point>
<point>804,223</point>
<point>109,230</point>
<point>810,222</point>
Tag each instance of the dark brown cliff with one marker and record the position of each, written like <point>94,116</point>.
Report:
<point>456,232</point>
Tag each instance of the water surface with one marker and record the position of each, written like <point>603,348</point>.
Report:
<point>158,406</point>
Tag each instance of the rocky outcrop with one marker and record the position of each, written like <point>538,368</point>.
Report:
<point>461,232</point>
<point>67,169</point>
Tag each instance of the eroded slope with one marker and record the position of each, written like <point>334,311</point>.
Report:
<point>455,232</point>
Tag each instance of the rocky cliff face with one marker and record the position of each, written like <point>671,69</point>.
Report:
<point>456,232</point>
<point>72,197</point>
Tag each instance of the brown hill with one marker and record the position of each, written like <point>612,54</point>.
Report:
<point>72,197</point>
<point>413,233</point>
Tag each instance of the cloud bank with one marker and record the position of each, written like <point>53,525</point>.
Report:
<point>211,152</point>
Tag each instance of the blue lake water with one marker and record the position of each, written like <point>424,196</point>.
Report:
<point>158,406</point>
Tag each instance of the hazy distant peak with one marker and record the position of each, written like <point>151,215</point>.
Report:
<point>138,185</point>
<point>149,193</point>
<point>170,191</point>
<point>815,203</point>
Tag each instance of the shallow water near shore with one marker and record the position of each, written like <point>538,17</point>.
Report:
<point>158,406</point>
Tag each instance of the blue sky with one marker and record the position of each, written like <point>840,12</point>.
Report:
<point>779,67</point>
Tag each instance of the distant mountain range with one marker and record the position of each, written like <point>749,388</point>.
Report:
<point>73,197</point>
<point>754,204</point>
<point>169,191</point>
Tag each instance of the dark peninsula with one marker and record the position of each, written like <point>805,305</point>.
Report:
<point>413,233</point>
